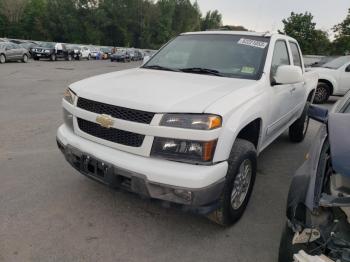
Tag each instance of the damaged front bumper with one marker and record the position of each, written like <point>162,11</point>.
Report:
<point>198,200</point>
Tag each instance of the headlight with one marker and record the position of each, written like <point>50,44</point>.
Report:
<point>192,121</point>
<point>183,150</point>
<point>69,96</point>
<point>47,51</point>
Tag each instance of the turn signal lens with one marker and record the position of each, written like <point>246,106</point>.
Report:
<point>69,96</point>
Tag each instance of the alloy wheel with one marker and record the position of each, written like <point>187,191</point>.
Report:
<point>241,184</point>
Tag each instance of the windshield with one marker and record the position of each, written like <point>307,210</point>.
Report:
<point>234,56</point>
<point>337,63</point>
<point>48,45</point>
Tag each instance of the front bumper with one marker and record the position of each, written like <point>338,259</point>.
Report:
<point>191,187</point>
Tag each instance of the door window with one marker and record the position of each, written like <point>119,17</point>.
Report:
<point>296,54</point>
<point>280,57</point>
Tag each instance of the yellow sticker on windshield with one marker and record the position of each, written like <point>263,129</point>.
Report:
<point>248,70</point>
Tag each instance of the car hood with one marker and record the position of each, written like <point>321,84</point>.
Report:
<point>158,91</point>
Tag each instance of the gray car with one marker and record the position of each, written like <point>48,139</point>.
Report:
<point>318,208</point>
<point>12,52</point>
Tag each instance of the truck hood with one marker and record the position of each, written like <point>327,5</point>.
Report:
<point>158,91</point>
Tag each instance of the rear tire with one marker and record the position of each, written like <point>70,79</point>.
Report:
<point>239,184</point>
<point>298,130</point>
<point>2,59</point>
<point>322,94</point>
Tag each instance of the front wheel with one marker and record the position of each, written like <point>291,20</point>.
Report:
<point>298,130</point>
<point>53,57</point>
<point>2,59</point>
<point>89,57</point>
<point>239,183</point>
<point>69,58</point>
<point>322,94</point>
<point>25,58</point>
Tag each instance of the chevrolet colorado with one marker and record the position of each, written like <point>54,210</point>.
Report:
<point>187,126</point>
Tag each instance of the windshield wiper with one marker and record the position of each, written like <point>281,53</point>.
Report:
<point>158,67</point>
<point>199,70</point>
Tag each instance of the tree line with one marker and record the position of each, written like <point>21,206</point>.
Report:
<point>315,41</point>
<point>137,23</point>
<point>143,23</point>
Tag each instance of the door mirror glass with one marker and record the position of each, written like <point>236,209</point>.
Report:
<point>347,69</point>
<point>287,74</point>
<point>318,113</point>
<point>145,59</point>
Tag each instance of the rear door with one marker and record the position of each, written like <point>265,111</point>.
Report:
<point>298,90</point>
<point>10,52</point>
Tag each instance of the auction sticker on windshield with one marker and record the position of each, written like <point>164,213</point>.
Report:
<point>252,43</point>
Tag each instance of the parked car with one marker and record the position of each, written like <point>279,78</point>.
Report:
<point>76,51</point>
<point>12,52</point>
<point>96,53</point>
<point>121,56</point>
<point>29,45</point>
<point>138,56</point>
<point>194,118</point>
<point>85,52</point>
<point>52,51</point>
<point>334,79</point>
<point>106,52</point>
<point>318,212</point>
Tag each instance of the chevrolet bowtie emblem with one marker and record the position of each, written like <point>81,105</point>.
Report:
<point>105,121</point>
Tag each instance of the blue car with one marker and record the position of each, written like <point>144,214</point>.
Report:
<point>318,208</point>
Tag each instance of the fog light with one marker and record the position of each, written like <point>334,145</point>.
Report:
<point>184,194</point>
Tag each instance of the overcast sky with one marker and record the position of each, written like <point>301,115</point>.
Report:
<point>266,15</point>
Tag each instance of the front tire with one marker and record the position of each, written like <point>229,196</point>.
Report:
<point>2,59</point>
<point>298,130</point>
<point>89,57</point>
<point>239,183</point>
<point>69,58</point>
<point>53,57</point>
<point>25,58</point>
<point>322,94</point>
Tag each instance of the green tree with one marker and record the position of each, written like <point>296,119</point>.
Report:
<point>341,44</point>
<point>303,29</point>
<point>212,20</point>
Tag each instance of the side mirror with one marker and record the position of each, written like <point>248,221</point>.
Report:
<point>318,113</point>
<point>347,69</point>
<point>338,128</point>
<point>145,59</point>
<point>288,74</point>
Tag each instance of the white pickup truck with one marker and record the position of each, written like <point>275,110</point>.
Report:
<point>187,126</point>
<point>334,79</point>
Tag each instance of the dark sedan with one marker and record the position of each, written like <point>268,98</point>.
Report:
<point>12,52</point>
<point>318,208</point>
<point>121,56</point>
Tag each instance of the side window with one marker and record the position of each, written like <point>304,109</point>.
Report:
<point>296,54</point>
<point>280,57</point>
<point>347,109</point>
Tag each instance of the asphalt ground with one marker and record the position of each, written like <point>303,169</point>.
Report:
<point>48,212</point>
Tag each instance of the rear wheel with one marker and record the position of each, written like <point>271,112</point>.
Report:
<point>322,94</point>
<point>25,58</point>
<point>2,59</point>
<point>298,130</point>
<point>239,184</point>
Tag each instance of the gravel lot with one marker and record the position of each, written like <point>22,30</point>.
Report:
<point>50,213</point>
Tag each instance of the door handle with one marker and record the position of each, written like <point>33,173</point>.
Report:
<point>293,90</point>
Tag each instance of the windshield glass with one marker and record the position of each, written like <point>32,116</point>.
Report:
<point>48,45</point>
<point>337,63</point>
<point>234,56</point>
